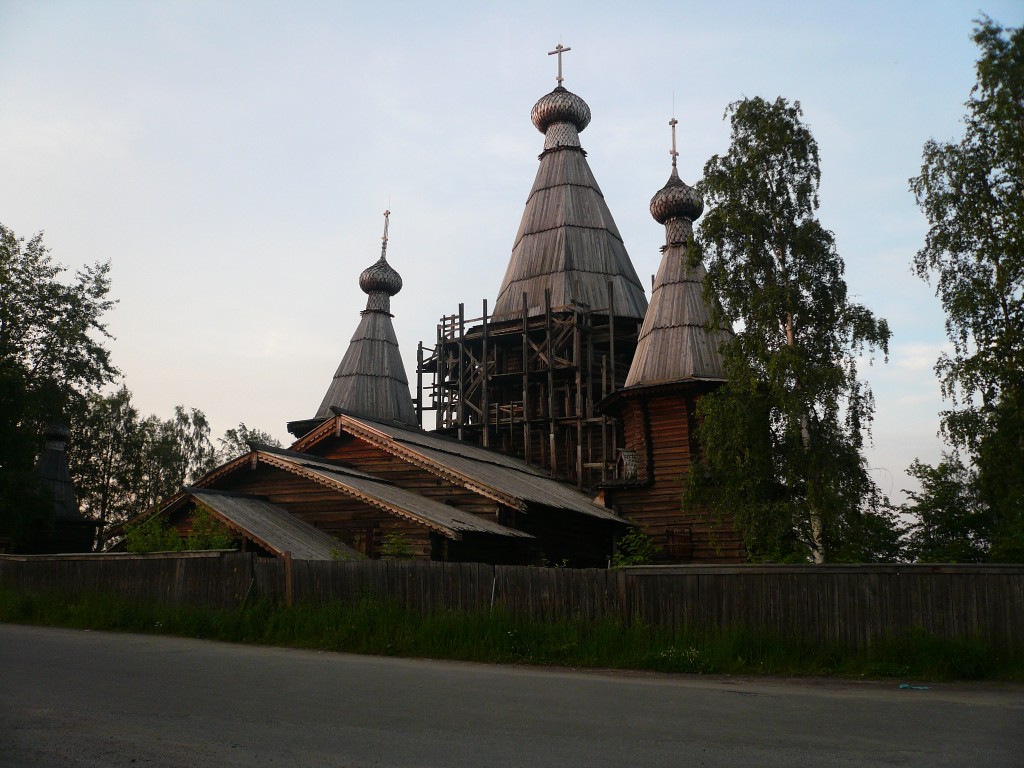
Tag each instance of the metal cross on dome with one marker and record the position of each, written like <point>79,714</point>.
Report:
<point>559,50</point>
<point>384,240</point>
<point>673,123</point>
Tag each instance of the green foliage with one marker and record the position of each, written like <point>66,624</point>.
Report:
<point>782,441</point>
<point>105,458</point>
<point>236,442</point>
<point>153,535</point>
<point>208,532</point>
<point>53,362</point>
<point>386,628</point>
<point>122,463</point>
<point>49,330</point>
<point>635,548</point>
<point>972,193</point>
<point>952,525</point>
<point>395,546</point>
<point>178,450</point>
<point>51,357</point>
<point>26,508</point>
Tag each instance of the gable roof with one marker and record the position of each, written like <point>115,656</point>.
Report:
<point>273,528</point>
<point>496,476</point>
<point>447,520</point>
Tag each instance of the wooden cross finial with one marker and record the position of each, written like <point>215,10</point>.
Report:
<point>384,240</point>
<point>559,50</point>
<point>673,123</point>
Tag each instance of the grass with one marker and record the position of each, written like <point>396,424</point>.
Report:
<point>375,627</point>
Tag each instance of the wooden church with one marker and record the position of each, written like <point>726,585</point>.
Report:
<point>561,418</point>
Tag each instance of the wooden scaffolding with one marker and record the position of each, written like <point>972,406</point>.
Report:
<point>527,386</point>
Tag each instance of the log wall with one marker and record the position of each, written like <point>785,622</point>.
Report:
<point>660,429</point>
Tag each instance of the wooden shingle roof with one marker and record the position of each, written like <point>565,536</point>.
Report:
<point>677,341</point>
<point>52,468</point>
<point>445,519</point>
<point>567,241</point>
<point>501,478</point>
<point>371,378</point>
<point>273,528</point>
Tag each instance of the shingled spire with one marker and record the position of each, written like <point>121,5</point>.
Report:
<point>567,241</point>
<point>68,530</point>
<point>371,380</point>
<point>676,341</point>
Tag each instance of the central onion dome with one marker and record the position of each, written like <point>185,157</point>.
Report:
<point>380,277</point>
<point>676,200</point>
<point>560,106</point>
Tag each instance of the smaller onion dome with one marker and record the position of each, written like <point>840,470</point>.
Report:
<point>676,200</point>
<point>57,432</point>
<point>560,106</point>
<point>380,278</point>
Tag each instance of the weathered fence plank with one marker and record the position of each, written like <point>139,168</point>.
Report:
<point>851,605</point>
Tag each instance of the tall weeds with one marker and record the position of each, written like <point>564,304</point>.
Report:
<point>373,626</point>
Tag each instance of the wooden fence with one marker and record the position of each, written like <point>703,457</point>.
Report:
<point>851,605</point>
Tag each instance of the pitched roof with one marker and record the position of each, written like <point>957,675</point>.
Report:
<point>567,241</point>
<point>502,478</point>
<point>376,492</point>
<point>273,528</point>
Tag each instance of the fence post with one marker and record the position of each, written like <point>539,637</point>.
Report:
<point>289,584</point>
<point>494,584</point>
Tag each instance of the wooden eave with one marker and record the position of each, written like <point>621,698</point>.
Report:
<point>329,427</point>
<point>611,403</point>
<point>344,423</point>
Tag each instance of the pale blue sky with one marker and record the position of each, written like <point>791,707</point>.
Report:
<point>233,159</point>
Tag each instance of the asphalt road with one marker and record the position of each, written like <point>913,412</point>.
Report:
<point>73,698</point>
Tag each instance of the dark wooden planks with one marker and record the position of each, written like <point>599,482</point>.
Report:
<point>853,606</point>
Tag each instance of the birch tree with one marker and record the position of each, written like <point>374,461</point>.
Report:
<point>782,441</point>
<point>972,192</point>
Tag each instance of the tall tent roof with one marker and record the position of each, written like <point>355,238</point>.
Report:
<point>52,469</point>
<point>371,380</point>
<point>676,340</point>
<point>567,241</point>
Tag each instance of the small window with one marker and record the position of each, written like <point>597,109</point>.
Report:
<point>625,467</point>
